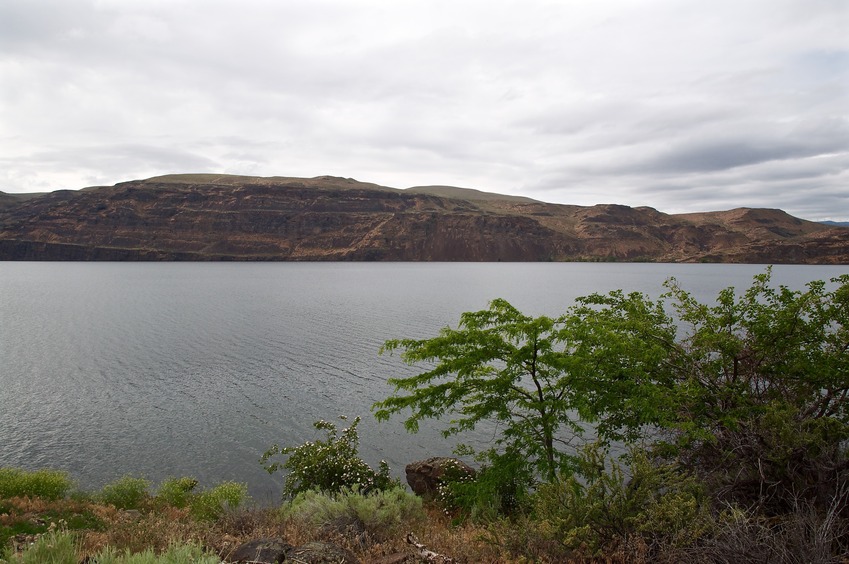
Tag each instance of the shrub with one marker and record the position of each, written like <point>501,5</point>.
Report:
<point>176,492</point>
<point>803,535</point>
<point>656,503</point>
<point>125,493</point>
<point>51,548</point>
<point>760,402</point>
<point>381,514</point>
<point>211,504</point>
<point>59,548</point>
<point>751,392</point>
<point>329,465</point>
<point>46,484</point>
<point>175,554</point>
<point>205,505</point>
<point>500,488</point>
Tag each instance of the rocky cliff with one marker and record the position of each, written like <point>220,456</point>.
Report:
<point>214,217</point>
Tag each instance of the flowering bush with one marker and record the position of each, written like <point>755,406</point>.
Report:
<point>328,465</point>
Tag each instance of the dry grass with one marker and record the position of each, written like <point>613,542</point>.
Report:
<point>157,528</point>
<point>518,541</point>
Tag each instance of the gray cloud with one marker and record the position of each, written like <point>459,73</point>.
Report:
<point>680,107</point>
<point>729,154</point>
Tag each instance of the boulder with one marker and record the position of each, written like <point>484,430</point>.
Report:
<point>264,551</point>
<point>424,476</point>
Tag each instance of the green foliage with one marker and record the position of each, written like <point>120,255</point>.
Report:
<point>45,484</point>
<point>127,492</point>
<point>329,465</point>
<point>176,492</point>
<point>760,403</point>
<point>501,488</point>
<point>175,554</point>
<point>51,548</point>
<point>540,379</point>
<point>609,508</point>
<point>498,365</point>
<point>752,392</point>
<point>204,505</point>
<point>211,504</point>
<point>59,548</point>
<point>381,514</point>
<point>620,344</point>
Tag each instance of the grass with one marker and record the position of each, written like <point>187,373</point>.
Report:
<point>60,547</point>
<point>25,518</point>
<point>127,492</point>
<point>125,523</point>
<point>46,484</point>
<point>169,528</point>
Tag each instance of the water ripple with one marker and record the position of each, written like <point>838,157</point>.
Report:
<point>195,369</point>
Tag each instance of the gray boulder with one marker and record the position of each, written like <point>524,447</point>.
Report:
<point>275,551</point>
<point>260,551</point>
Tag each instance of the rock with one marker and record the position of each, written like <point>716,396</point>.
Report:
<point>275,551</point>
<point>264,551</point>
<point>131,514</point>
<point>321,553</point>
<point>425,476</point>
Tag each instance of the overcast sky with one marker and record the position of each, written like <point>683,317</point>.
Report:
<point>680,105</point>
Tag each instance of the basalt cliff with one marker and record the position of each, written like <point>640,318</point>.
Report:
<point>215,217</point>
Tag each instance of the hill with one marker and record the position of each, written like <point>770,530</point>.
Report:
<point>222,217</point>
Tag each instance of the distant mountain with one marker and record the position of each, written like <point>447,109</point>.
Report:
<point>9,200</point>
<point>221,217</point>
<point>838,223</point>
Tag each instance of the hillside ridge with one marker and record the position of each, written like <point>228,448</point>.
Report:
<point>227,217</point>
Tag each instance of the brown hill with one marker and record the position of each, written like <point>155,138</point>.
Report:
<point>221,217</point>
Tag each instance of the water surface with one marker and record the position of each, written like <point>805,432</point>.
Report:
<point>171,369</point>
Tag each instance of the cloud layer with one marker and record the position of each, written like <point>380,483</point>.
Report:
<point>677,105</point>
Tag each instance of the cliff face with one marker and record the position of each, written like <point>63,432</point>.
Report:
<point>210,217</point>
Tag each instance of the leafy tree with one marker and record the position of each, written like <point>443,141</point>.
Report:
<point>498,365</point>
<point>761,393</point>
<point>622,344</point>
<point>753,393</point>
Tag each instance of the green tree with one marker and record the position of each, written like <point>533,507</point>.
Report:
<point>539,378</point>
<point>761,394</point>
<point>498,365</point>
<point>752,393</point>
<point>621,345</point>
